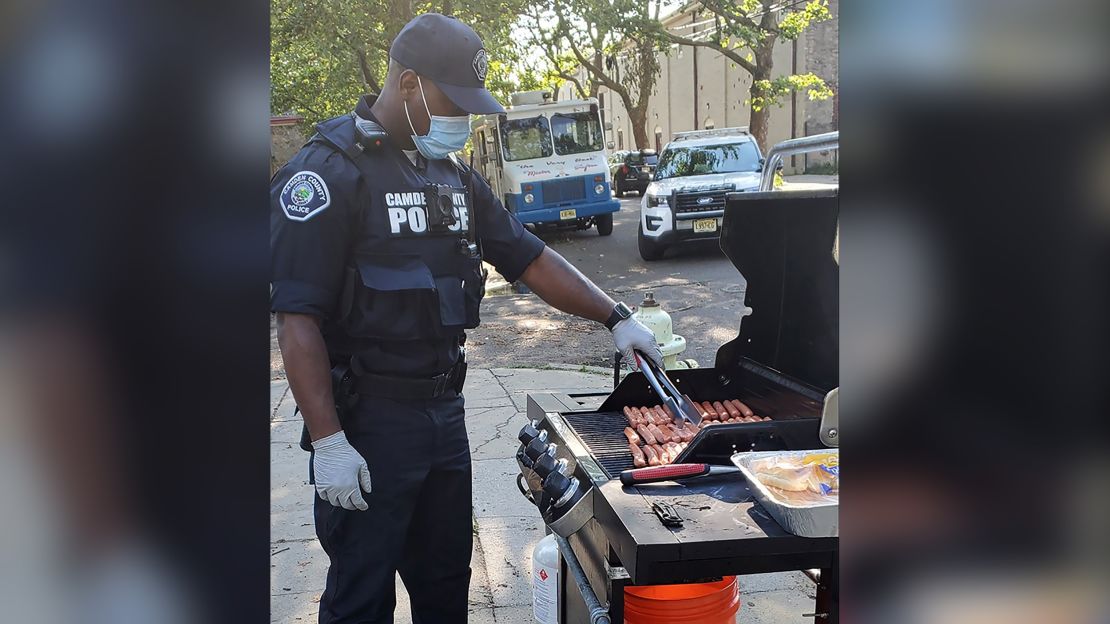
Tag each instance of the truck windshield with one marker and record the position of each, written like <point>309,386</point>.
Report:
<point>576,133</point>
<point>526,138</point>
<point>677,162</point>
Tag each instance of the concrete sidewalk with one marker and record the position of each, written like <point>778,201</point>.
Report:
<point>507,527</point>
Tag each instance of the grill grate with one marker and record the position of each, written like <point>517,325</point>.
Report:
<point>603,435</point>
<point>559,191</point>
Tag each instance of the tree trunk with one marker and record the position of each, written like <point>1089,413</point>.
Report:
<point>757,125</point>
<point>759,121</point>
<point>638,117</point>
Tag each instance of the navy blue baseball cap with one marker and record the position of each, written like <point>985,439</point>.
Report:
<point>449,53</point>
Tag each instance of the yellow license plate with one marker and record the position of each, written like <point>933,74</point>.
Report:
<point>702,226</point>
<point>568,214</point>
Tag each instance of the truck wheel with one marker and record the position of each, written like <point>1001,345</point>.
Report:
<point>648,250</point>
<point>604,224</point>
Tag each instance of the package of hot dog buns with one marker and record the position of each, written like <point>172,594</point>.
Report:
<point>799,489</point>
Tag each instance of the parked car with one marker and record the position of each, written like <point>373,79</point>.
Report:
<point>632,171</point>
<point>686,196</point>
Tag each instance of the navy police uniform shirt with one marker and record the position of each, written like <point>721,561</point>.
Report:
<point>351,243</point>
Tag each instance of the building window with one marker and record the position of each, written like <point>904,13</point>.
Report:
<point>658,139</point>
<point>620,139</point>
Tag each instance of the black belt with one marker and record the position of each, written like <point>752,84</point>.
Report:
<point>369,384</point>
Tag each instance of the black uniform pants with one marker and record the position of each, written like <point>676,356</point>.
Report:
<point>419,520</point>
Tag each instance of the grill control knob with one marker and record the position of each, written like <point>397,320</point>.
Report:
<point>545,465</point>
<point>535,448</point>
<point>528,433</point>
<point>555,485</point>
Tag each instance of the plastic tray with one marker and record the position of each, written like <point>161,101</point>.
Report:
<point>812,520</point>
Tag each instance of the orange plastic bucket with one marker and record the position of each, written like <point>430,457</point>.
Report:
<point>692,603</point>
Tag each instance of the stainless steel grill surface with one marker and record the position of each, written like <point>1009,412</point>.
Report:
<point>603,435</point>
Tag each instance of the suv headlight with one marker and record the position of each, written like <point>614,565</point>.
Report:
<point>657,200</point>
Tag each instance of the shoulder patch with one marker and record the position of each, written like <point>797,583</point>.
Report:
<point>305,195</point>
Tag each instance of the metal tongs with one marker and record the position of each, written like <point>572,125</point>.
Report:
<point>678,405</point>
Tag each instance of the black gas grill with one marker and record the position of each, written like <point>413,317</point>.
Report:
<point>782,363</point>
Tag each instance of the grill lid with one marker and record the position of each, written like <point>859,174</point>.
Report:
<point>782,243</point>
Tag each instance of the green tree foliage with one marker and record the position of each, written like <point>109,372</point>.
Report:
<point>746,31</point>
<point>324,54</point>
<point>605,38</point>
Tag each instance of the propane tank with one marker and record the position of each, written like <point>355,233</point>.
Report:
<point>545,581</point>
<point>659,322</point>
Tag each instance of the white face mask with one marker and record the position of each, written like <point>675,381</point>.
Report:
<point>445,134</point>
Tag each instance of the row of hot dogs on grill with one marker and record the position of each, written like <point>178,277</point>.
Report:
<point>655,439</point>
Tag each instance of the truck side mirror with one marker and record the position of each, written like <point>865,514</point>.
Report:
<point>609,145</point>
<point>762,161</point>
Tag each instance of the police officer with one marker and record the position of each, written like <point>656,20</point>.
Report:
<point>378,237</point>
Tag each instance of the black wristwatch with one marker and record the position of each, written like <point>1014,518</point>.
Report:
<point>620,312</point>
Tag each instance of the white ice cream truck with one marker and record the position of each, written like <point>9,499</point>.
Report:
<point>546,160</point>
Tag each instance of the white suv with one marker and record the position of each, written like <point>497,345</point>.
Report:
<point>686,197</point>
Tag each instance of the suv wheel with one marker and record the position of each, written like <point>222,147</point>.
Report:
<point>604,224</point>
<point>649,250</point>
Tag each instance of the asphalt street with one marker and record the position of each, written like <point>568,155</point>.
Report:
<point>695,283</point>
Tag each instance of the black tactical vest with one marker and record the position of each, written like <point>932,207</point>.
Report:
<point>406,280</point>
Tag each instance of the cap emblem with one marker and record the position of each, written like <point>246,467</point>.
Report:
<point>481,64</point>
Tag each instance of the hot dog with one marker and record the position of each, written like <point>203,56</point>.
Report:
<point>722,410</point>
<point>633,416</point>
<point>645,434</point>
<point>668,434</point>
<point>710,410</point>
<point>692,429</point>
<point>651,456</point>
<point>673,449</point>
<point>682,434</point>
<point>630,433</point>
<point>733,411</point>
<point>701,410</point>
<point>664,454</point>
<point>638,458</point>
<point>657,433</point>
<point>744,409</point>
<point>648,414</point>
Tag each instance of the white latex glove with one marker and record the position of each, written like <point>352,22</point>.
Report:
<point>341,473</point>
<point>631,334</point>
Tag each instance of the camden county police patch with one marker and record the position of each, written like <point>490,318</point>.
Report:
<point>304,196</point>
